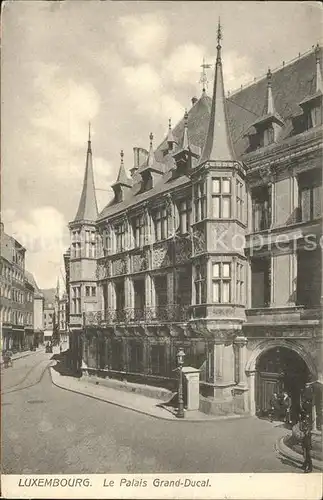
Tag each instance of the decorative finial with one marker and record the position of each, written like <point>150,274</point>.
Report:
<point>89,131</point>
<point>204,80</point>
<point>317,52</point>
<point>121,156</point>
<point>219,34</point>
<point>185,118</point>
<point>151,139</point>
<point>218,47</point>
<point>170,124</point>
<point>269,76</point>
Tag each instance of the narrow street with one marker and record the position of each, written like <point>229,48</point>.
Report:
<point>50,430</point>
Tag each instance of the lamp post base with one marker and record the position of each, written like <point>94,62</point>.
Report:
<point>180,413</point>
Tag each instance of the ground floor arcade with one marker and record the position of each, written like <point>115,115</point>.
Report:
<point>237,373</point>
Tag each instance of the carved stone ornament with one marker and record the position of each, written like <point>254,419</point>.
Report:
<point>183,250</point>
<point>139,263</point>
<point>199,241</point>
<point>119,267</point>
<point>161,257</point>
<point>102,271</point>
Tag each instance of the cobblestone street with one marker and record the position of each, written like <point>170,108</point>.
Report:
<point>50,430</point>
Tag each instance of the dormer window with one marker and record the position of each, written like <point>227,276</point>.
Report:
<point>170,138</point>
<point>313,115</point>
<point>186,153</point>
<point>122,184</point>
<point>147,181</point>
<point>118,194</point>
<point>151,170</point>
<point>267,126</point>
<point>269,135</point>
<point>312,104</point>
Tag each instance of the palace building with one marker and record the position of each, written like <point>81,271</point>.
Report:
<point>211,243</point>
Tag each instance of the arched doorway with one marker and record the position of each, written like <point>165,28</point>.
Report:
<point>280,369</point>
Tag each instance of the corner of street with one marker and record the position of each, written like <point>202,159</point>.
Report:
<point>107,430</point>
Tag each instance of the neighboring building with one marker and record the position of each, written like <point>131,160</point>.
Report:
<point>49,295</point>
<point>206,247</point>
<point>62,325</point>
<point>66,257</point>
<point>38,311</point>
<point>29,310</point>
<point>12,307</point>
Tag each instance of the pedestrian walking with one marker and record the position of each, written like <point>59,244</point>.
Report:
<point>307,443</point>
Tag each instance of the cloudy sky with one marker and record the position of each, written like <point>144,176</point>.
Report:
<point>127,67</point>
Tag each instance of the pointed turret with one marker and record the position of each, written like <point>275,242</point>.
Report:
<point>269,114</point>
<point>122,183</point>
<point>269,124</point>
<point>312,104</point>
<point>218,144</point>
<point>317,92</point>
<point>185,144</point>
<point>170,137</point>
<point>269,108</point>
<point>122,178</point>
<point>88,208</point>
<point>152,164</point>
<point>183,157</point>
<point>152,169</point>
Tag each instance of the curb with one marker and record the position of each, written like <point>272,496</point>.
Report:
<point>137,410</point>
<point>295,457</point>
<point>29,353</point>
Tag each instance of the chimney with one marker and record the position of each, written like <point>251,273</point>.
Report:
<point>139,157</point>
<point>194,100</point>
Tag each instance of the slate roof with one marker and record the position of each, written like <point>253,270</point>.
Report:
<point>291,84</point>
<point>30,278</point>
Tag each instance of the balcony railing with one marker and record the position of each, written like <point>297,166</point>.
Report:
<point>168,313</point>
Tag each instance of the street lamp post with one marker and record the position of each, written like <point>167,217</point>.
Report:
<point>180,362</point>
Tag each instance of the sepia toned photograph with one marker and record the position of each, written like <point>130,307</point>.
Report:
<point>161,248</point>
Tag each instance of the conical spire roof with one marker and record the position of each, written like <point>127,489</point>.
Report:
<point>122,176</point>
<point>269,112</point>
<point>151,163</point>
<point>218,144</point>
<point>170,136</point>
<point>88,208</point>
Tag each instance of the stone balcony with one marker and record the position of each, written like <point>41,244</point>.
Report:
<point>171,313</point>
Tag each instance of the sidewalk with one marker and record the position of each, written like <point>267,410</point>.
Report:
<point>298,459</point>
<point>23,354</point>
<point>135,402</point>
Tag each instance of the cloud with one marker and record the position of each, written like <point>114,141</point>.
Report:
<point>182,66</point>
<point>64,106</point>
<point>236,70</point>
<point>149,93</point>
<point>104,175</point>
<point>44,234</point>
<point>145,35</point>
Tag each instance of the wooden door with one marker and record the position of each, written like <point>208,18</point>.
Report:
<point>266,385</point>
